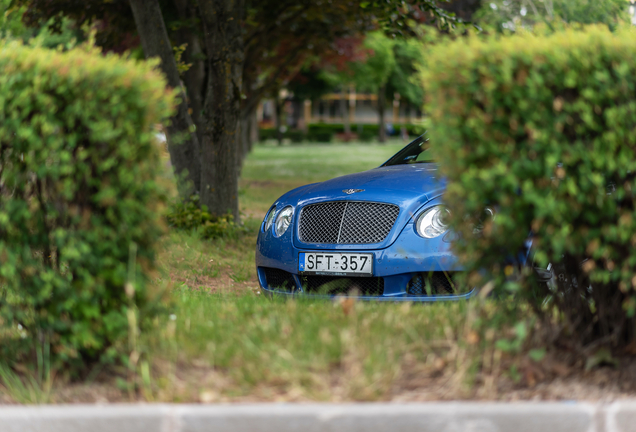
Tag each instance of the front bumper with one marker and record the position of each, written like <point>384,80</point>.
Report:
<point>396,269</point>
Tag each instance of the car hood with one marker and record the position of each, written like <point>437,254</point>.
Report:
<point>401,184</point>
<point>408,186</point>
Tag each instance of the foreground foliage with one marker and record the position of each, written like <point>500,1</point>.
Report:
<point>79,205</point>
<point>545,125</point>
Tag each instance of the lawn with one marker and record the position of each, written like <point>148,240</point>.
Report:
<point>272,170</point>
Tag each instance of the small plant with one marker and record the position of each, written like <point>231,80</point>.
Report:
<point>191,215</point>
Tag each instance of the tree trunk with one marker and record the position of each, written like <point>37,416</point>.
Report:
<point>464,9</point>
<point>222,22</point>
<point>278,108</point>
<point>381,104</point>
<point>253,130</point>
<point>244,145</point>
<point>248,111</point>
<point>183,144</point>
<point>345,113</point>
<point>194,77</point>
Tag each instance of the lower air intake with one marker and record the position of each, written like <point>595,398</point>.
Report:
<point>433,283</point>
<point>279,280</point>
<point>332,285</point>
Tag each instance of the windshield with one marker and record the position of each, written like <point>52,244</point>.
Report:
<point>417,151</point>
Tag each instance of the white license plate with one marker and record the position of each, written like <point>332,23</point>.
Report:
<point>337,264</point>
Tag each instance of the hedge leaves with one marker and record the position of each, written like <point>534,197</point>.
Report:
<point>77,197</point>
<point>543,130</point>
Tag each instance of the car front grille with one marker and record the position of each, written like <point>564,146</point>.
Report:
<point>437,283</point>
<point>347,222</point>
<point>331,285</point>
<point>279,280</point>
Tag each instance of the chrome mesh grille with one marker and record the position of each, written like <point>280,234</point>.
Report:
<point>346,222</point>
<point>320,223</point>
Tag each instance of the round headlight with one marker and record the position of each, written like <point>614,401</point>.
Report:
<point>283,220</point>
<point>487,214</point>
<point>433,222</point>
<point>270,218</point>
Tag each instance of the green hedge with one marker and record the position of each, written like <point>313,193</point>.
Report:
<point>265,134</point>
<point>368,135</point>
<point>296,136</point>
<point>325,128</point>
<point>543,129</point>
<point>325,132</point>
<point>324,136</point>
<point>79,206</point>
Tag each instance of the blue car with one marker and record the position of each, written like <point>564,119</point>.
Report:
<point>377,235</point>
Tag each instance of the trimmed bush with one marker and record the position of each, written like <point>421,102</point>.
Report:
<point>325,128</point>
<point>265,134</point>
<point>321,137</point>
<point>79,205</point>
<point>368,135</point>
<point>413,130</point>
<point>295,136</point>
<point>543,129</point>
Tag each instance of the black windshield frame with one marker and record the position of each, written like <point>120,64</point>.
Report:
<point>409,153</point>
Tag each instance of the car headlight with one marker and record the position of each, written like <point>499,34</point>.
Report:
<point>487,214</point>
<point>269,219</point>
<point>283,220</point>
<point>433,222</point>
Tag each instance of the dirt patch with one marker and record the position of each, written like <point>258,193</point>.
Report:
<point>221,283</point>
<point>199,382</point>
<point>211,266</point>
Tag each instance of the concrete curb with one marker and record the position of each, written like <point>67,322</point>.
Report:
<point>381,417</point>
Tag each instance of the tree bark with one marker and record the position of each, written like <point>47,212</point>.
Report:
<point>345,113</point>
<point>183,144</point>
<point>253,130</point>
<point>194,77</point>
<point>381,104</point>
<point>278,108</point>
<point>244,145</point>
<point>222,22</point>
<point>464,9</point>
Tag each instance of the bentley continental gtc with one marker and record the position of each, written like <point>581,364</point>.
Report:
<point>377,235</point>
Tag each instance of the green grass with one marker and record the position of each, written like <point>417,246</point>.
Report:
<point>272,170</point>
<point>235,347</point>
<point>315,162</point>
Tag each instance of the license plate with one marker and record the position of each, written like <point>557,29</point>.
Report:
<point>336,264</point>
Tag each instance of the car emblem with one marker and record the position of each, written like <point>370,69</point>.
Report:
<point>352,191</point>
